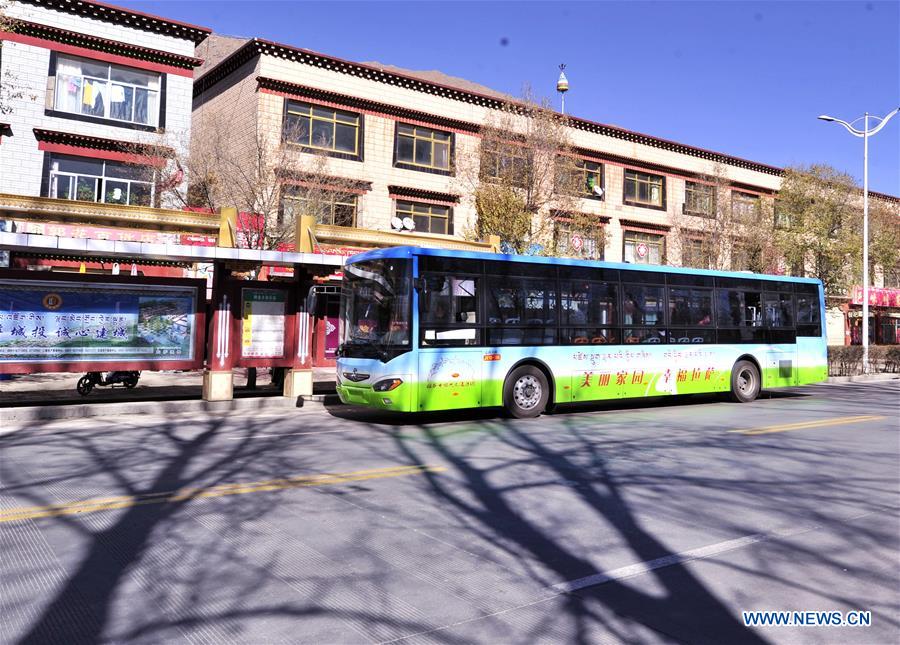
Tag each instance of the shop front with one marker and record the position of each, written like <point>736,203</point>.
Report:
<point>884,316</point>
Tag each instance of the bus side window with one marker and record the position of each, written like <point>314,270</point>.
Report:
<point>779,309</point>
<point>809,320</point>
<point>449,311</point>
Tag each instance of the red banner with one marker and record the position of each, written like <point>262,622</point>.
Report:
<point>878,296</point>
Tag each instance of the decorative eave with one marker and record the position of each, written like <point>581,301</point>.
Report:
<point>22,29</point>
<point>51,209</point>
<point>127,18</point>
<point>567,215</point>
<point>366,237</point>
<point>299,178</point>
<point>423,195</point>
<point>128,151</point>
<point>334,99</point>
<point>641,224</point>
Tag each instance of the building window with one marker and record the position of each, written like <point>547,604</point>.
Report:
<point>744,206</point>
<point>420,148</point>
<point>511,165</point>
<point>745,257</point>
<point>695,253</point>
<point>644,248</point>
<point>98,89</point>
<point>328,207</point>
<point>699,199</point>
<point>579,177</point>
<point>321,128</point>
<point>573,242</point>
<point>782,217</point>
<point>429,218</point>
<point>644,189</point>
<point>96,180</point>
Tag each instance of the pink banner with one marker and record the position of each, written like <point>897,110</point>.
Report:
<point>878,296</point>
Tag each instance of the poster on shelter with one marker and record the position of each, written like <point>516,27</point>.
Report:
<point>45,321</point>
<point>262,334</point>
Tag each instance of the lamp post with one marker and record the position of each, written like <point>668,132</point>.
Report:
<point>865,133</point>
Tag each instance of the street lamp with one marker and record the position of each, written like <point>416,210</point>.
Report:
<point>865,133</point>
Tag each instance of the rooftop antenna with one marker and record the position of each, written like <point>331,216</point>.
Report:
<point>562,86</point>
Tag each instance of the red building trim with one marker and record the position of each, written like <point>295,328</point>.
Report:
<point>108,51</point>
<point>97,147</point>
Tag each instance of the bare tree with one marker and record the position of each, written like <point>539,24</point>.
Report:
<point>10,89</point>
<point>721,227</point>
<point>267,177</point>
<point>523,176</point>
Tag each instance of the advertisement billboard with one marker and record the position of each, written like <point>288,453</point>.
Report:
<point>53,323</point>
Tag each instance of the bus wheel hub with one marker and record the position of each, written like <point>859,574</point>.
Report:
<point>527,392</point>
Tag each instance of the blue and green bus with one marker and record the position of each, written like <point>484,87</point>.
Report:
<point>431,329</point>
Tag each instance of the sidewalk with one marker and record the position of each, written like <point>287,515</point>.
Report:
<point>53,396</point>
<point>862,378</point>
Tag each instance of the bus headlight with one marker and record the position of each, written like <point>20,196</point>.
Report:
<point>387,385</point>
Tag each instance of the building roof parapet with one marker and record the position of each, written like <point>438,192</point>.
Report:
<point>256,47</point>
<point>127,18</point>
<point>88,41</point>
<point>93,212</point>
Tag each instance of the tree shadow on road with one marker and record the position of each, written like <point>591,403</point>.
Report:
<point>175,570</point>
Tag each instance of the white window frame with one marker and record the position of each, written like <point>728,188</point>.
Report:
<point>99,188</point>
<point>63,77</point>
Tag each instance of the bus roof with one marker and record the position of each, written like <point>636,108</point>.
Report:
<point>410,251</point>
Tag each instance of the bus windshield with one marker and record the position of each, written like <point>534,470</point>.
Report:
<point>375,309</point>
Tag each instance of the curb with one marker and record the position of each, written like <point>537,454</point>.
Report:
<point>863,378</point>
<point>87,410</point>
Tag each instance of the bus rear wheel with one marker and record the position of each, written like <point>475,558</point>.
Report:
<point>745,382</point>
<point>526,392</point>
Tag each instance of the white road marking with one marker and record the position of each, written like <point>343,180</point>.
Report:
<point>701,553</point>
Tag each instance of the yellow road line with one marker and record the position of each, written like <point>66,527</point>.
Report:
<point>127,501</point>
<point>803,425</point>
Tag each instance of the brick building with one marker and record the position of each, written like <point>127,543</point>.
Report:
<point>96,86</point>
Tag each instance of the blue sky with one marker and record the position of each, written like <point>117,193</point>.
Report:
<point>744,78</point>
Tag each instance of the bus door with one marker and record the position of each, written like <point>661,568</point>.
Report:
<point>780,362</point>
<point>449,356</point>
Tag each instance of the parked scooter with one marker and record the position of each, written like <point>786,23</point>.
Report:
<point>87,382</point>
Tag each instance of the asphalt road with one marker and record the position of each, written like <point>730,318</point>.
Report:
<point>614,524</point>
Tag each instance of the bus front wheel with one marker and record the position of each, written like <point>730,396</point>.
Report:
<point>526,392</point>
<point>745,382</point>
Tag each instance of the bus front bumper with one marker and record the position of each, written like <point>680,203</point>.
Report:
<point>397,399</point>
